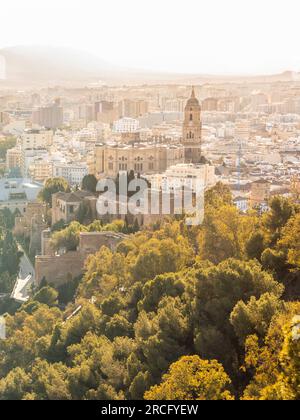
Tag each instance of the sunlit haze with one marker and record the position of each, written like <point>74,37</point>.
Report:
<point>207,36</point>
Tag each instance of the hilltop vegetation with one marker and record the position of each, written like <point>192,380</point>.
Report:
<point>9,259</point>
<point>176,312</point>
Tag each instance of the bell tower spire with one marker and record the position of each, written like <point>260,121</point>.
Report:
<point>192,128</point>
<point>193,92</point>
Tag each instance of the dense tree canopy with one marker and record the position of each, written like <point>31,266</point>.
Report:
<point>205,312</point>
<point>192,379</point>
<point>10,256</point>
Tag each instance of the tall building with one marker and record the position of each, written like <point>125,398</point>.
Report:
<point>49,116</point>
<point>192,128</point>
<point>103,106</point>
<point>34,145</point>
<point>133,108</point>
<point>210,104</point>
<point>106,112</point>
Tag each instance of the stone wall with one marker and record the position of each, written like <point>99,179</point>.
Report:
<point>57,269</point>
<point>23,224</point>
<point>37,227</point>
<point>91,242</point>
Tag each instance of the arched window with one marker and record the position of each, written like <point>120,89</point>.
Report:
<point>191,117</point>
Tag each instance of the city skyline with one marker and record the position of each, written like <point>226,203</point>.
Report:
<point>199,37</point>
<point>149,203</point>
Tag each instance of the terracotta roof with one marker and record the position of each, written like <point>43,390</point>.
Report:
<point>74,197</point>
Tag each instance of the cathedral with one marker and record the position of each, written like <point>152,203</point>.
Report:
<point>152,158</point>
<point>192,127</point>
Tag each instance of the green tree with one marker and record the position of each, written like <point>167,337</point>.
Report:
<point>47,296</point>
<point>274,364</point>
<point>15,385</point>
<point>193,379</point>
<point>217,291</point>
<point>224,233</point>
<point>52,186</point>
<point>89,183</point>
<point>9,254</point>
<point>218,196</point>
<point>6,144</point>
<point>49,381</point>
<point>290,241</point>
<point>255,316</point>
<point>7,219</point>
<point>281,210</point>
<point>155,290</point>
<point>256,246</point>
<point>67,238</point>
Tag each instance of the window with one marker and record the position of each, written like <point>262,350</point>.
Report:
<point>138,167</point>
<point>191,117</point>
<point>123,167</point>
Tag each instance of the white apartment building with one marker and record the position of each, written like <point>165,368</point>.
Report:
<point>72,172</point>
<point>14,158</point>
<point>29,156</point>
<point>40,169</point>
<point>32,139</point>
<point>242,203</point>
<point>184,174</point>
<point>126,125</point>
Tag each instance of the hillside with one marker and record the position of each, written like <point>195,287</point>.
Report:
<point>50,65</point>
<point>210,307</point>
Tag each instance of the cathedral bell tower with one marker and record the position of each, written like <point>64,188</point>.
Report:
<point>192,127</point>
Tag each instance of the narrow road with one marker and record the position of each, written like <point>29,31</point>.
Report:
<point>25,280</point>
<point>26,268</point>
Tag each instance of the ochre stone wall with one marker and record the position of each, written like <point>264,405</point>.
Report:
<point>58,269</point>
<point>90,243</point>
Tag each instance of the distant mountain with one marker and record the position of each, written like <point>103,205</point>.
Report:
<point>41,64</point>
<point>49,65</point>
<point>287,76</point>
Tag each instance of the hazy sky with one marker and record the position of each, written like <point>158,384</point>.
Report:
<point>206,36</point>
